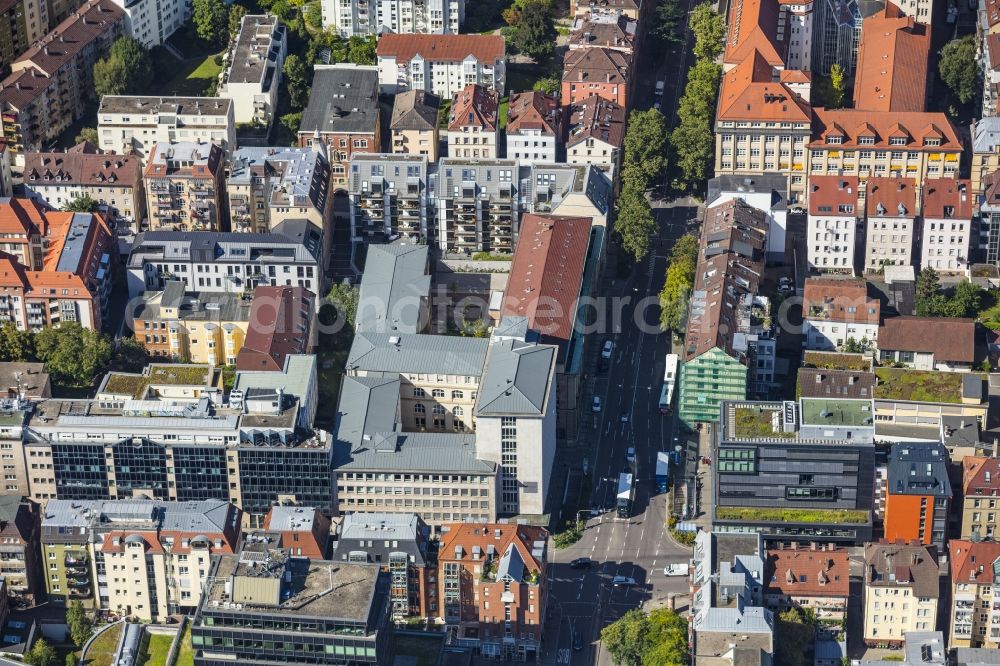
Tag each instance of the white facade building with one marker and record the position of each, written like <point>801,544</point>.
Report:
<point>767,192</point>
<point>374,17</point>
<point>891,206</point>
<point>947,226</point>
<point>127,123</point>
<point>440,64</point>
<point>152,21</point>
<point>832,225</point>
<point>255,69</point>
<point>800,27</point>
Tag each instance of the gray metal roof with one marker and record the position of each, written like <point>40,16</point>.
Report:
<point>368,405</point>
<point>291,518</point>
<point>193,306</point>
<point>438,453</point>
<point>394,289</point>
<point>976,656</point>
<point>517,378</point>
<point>511,565</point>
<point>415,110</point>
<point>295,175</point>
<point>76,241</point>
<point>344,99</point>
<point>207,246</point>
<point>775,183</point>
<point>986,135</point>
<point>918,468</point>
<point>386,533</point>
<point>202,516</point>
<point>430,354</point>
<point>294,379</point>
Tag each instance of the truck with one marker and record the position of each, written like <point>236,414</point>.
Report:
<point>662,471</point>
<point>623,501</point>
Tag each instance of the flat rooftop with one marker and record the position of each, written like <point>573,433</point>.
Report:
<point>836,361</point>
<point>918,385</point>
<point>320,588</point>
<point>135,384</point>
<point>821,411</point>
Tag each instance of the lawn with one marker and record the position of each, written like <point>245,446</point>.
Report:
<point>836,361</point>
<point>102,650</point>
<point>425,649</point>
<point>521,76</point>
<point>810,516</point>
<point>157,650</point>
<point>190,77</point>
<point>185,655</point>
<point>918,385</point>
<point>752,423</point>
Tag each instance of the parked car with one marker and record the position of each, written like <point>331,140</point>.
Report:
<point>596,405</point>
<point>660,85</point>
<point>630,455</point>
<point>580,563</point>
<point>623,581</point>
<point>609,349</point>
<point>785,288</point>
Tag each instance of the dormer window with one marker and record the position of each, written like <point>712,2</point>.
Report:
<point>866,140</point>
<point>835,140</point>
<point>932,142</point>
<point>897,141</point>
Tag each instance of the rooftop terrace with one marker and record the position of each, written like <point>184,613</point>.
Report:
<point>125,383</point>
<point>819,411</point>
<point>836,361</point>
<point>759,422</point>
<point>918,385</point>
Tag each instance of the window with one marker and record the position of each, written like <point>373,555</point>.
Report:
<point>457,395</point>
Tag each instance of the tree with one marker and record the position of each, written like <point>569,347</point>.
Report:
<point>211,21</point>
<point>838,85</point>
<point>88,134</point>
<point>657,639</point>
<point>72,353</point>
<point>927,293</point>
<point>677,286</point>
<point>709,30</point>
<point>626,639</point>
<point>81,204</point>
<point>669,632</point>
<point>361,50</point>
<point>548,84</point>
<point>793,637</point>
<point>692,140</point>
<point>296,81</point>
<point>127,70</point>
<point>41,654</point>
<point>313,14</point>
<point>966,300</point>
<point>235,18</point>
<point>535,33</point>
<point>635,224</point>
<point>645,144</point>
<point>130,356</point>
<point>476,328</point>
<point>291,122</point>
<point>668,18</point>
<point>694,148</point>
<point>71,659</point>
<point>344,298</point>
<point>80,625</point>
<point>959,68</point>
<point>16,344</point>
<point>854,346</point>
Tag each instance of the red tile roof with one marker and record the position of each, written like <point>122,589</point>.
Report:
<point>852,123</point>
<point>980,476</point>
<point>547,273</point>
<point>22,217</point>
<point>948,339</point>
<point>832,299</point>
<point>753,26</point>
<point>749,92</point>
<point>992,12</point>
<point>803,572</point>
<point>595,118</point>
<point>534,111</point>
<point>280,324</point>
<point>891,197</point>
<point>455,48</point>
<point>64,42</point>
<point>942,193</point>
<point>475,106</point>
<point>469,535</point>
<point>828,194</point>
<point>81,168</point>
<point>597,65</point>
<point>891,73</point>
<point>599,31</point>
<point>972,562</point>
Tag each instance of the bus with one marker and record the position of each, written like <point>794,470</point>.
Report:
<point>626,491</point>
<point>669,382</point>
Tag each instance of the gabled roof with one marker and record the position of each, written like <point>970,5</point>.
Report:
<point>840,300</point>
<point>81,168</point>
<point>597,65</point>
<point>517,379</point>
<point>753,26</point>
<point>980,476</point>
<point>749,92</point>
<point>891,73</point>
<point>535,111</point>
<point>948,339</point>
<point>22,217</point>
<point>595,118</point>
<point>415,110</point>
<point>833,195</point>
<point>460,540</point>
<point>808,572</point>
<point>454,48</point>
<point>891,197</point>
<point>394,289</point>
<point>976,562</point>
<point>919,125</point>
<point>617,32</point>
<point>947,198</point>
<point>444,354</point>
<point>475,106</point>
<point>280,325</point>
<point>897,565</point>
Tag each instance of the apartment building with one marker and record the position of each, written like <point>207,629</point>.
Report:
<point>20,529</point>
<point>989,217</point>
<point>390,196</point>
<point>567,189</point>
<point>610,31</point>
<point>493,587</point>
<point>901,400</point>
<point>796,470</point>
<point>767,193</point>
<point>727,599</point>
<point>191,327</point>
<point>342,115</point>
<point>975,611</point>
<point>414,124</point>
<point>534,128</point>
<point>832,225</point>
<point>717,354</point>
<point>604,72</point>
<point>134,124</point>
<point>781,31</point>
<point>113,181</point>
<point>595,133</point>
<point>254,69</point>
<point>893,54</point>
<point>51,82</point>
<point>260,604</point>
<point>291,255</point>
<point>477,203</point>
<point>400,544</point>
<point>901,592</point>
<point>980,494</point>
<point>928,343</point>
<point>139,557</point>
<point>474,123</point>
<point>837,311</point>
<point>280,328</point>
<point>254,450</point>
<point>268,186</point>
<point>441,64</point>
<point>366,17</point>
<point>908,145</point>
<point>918,493</point>
<point>21,24</point>
<point>185,186</point>
<point>985,152</point>
<point>762,125</point>
<point>947,211</point>
<point>301,530</point>
<point>629,8</point>
<point>809,576</point>
<point>891,219</point>
<point>990,66</point>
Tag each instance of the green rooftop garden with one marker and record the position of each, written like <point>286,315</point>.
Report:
<point>754,422</point>
<point>810,516</point>
<point>180,375</point>
<point>918,385</point>
<point>834,412</point>
<point>836,361</point>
